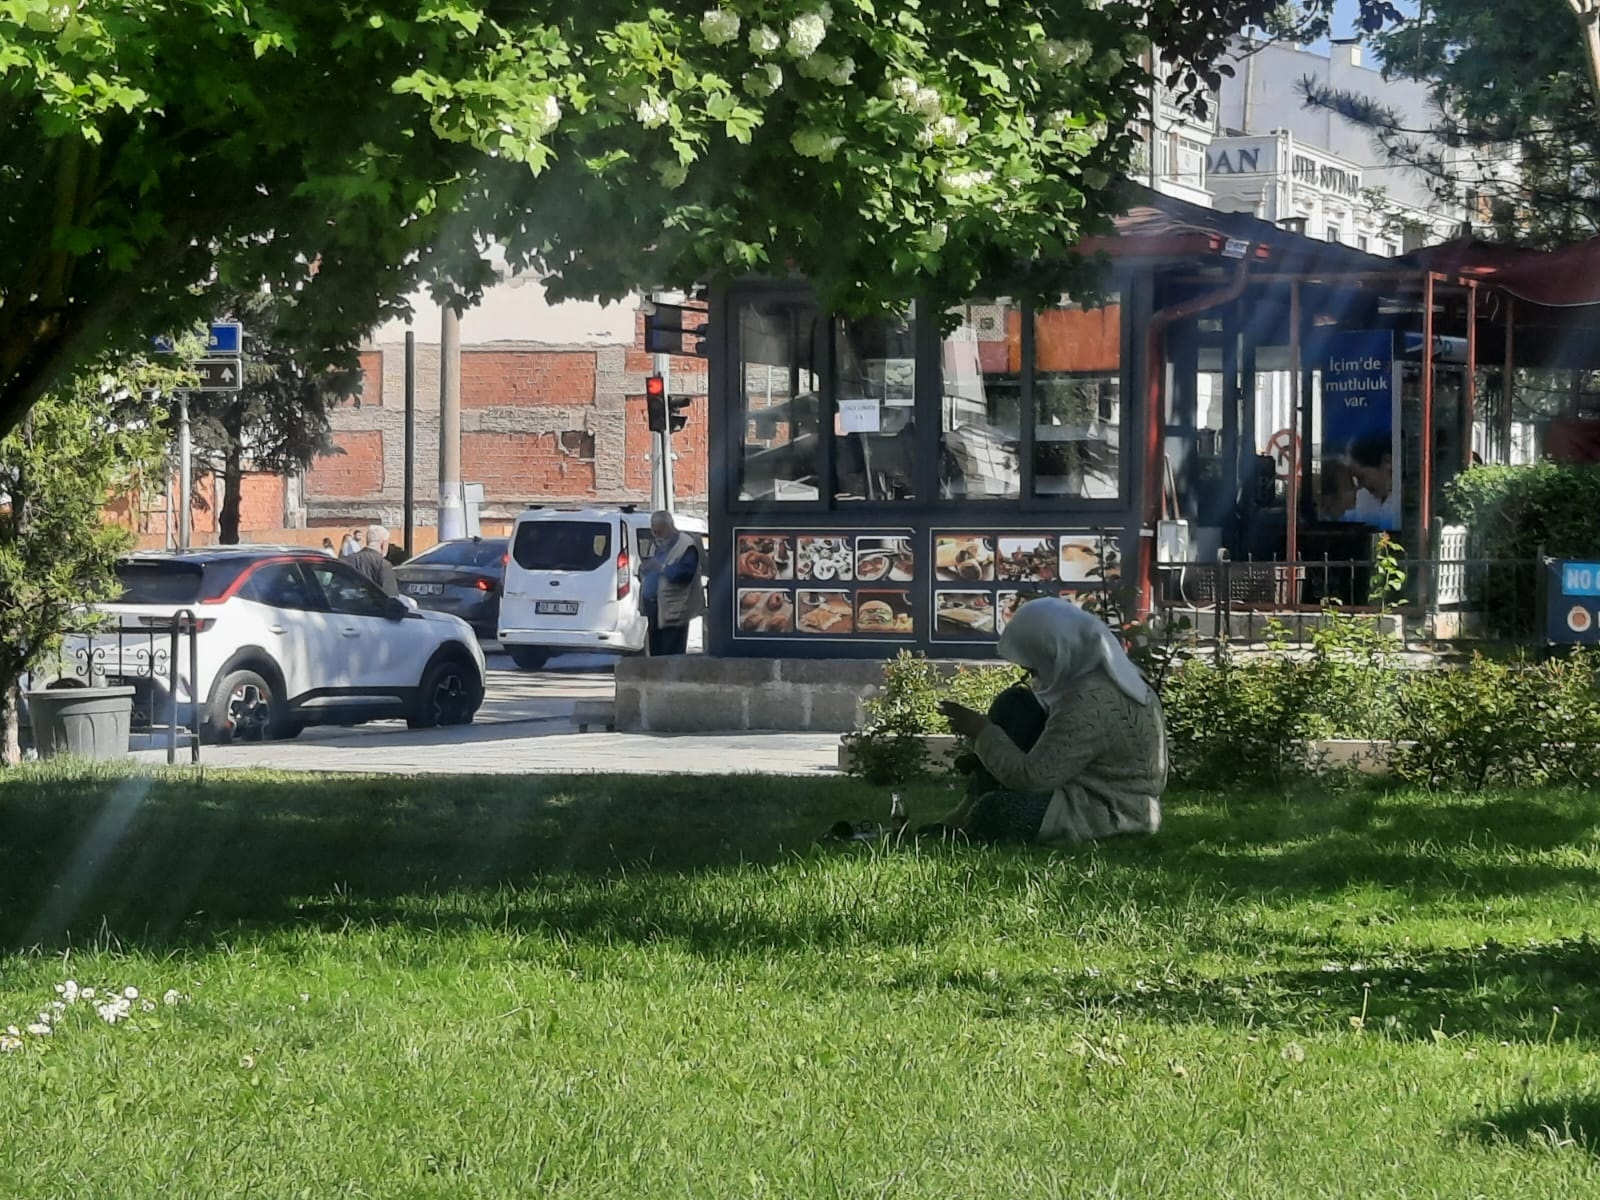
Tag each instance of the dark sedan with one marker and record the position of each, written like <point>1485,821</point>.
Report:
<point>464,577</point>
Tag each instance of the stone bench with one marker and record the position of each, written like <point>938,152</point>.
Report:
<point>697,693</point>
<point>594,712</point>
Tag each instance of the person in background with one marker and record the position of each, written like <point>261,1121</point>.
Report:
<point>1099,765</point>
<point>670,592</point>
<point>373,563</point>
<point>1371,459</point>
<point>351,545</point>
<point>327,548</point>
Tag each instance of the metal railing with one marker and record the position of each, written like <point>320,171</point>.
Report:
<point>1448,599</point>
<point>147,654</point>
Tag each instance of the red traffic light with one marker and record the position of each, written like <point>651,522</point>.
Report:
<point>655,387</point>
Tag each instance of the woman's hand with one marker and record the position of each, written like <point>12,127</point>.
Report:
<point>965,721</point>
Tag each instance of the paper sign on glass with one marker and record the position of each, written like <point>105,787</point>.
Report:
<point>859,416</point>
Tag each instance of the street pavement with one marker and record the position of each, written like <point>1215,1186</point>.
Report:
<point>526,726</point>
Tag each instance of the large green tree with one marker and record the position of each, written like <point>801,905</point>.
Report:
<point>343,151</point>
<point>279,420</point>
<point>1518,112</point>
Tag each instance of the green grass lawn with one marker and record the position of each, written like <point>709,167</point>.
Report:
<point>626,987</point>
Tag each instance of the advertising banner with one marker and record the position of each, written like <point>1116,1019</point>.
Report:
<point>1361,430</point>
<point>1572,603</point>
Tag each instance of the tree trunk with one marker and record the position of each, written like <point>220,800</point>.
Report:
<point>232,496</point>
<point>10,725</point>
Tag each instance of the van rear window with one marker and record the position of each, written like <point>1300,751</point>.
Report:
<point>561,545</point>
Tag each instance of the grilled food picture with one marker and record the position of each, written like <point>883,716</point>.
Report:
<point>884,558</point>
<point>964,612</point>
<point>884,614</point>
<point>824,558</point>
<point>1080,559</point>
<point>1029,558</point>
<point>963,559</point>
<point>762,611</point>
<point>764,556</point>
<point>826,612</point>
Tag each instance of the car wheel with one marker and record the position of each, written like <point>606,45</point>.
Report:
<point>244,708</point>
<point>529,658</point>
<point>449,694</point>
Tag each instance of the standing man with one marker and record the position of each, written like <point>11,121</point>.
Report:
<point>372,563</point>
<point>671,594</point>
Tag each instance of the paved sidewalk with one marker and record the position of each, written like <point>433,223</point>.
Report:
<point>534,748</point>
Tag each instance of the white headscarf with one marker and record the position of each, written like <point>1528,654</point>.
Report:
<point>1061,644</point>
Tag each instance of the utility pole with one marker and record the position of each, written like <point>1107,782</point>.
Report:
<point>411,443</point>
<point>185,469</point>
<point>452,520</point>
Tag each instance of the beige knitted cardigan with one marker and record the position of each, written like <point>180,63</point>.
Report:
<point>1102,758</point>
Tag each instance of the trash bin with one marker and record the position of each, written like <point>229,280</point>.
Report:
<point>91,722</point>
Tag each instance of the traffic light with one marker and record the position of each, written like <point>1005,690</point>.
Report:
<point>664,413</point>
<point>655,403</point>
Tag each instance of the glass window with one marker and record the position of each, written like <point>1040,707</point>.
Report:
<point>464,552</point>
<point>562,545</point>
<point>780,401</point>
<point>1077,400</point>
<point>281,585</point>
<point>874,427</point>
<point>981,404</point>
<point>349,593</point>
<point>159,582</point>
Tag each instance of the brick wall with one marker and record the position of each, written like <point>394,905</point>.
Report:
<point>354,474</point>
<point>531,466</point>
<point>540,423</point>
<point>513,379</point>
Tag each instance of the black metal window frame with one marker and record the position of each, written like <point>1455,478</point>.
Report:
<point>929,426</point>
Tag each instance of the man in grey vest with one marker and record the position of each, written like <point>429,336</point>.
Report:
<point>671,594</point>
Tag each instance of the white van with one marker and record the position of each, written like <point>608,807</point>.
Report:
<point>572,582</point>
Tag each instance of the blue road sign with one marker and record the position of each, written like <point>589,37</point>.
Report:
<point>164,344</point>
<point>1572,603</point>
<point>225,338</point>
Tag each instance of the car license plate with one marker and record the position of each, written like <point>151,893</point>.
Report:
<point>425,589</point>
<point>556,608</point>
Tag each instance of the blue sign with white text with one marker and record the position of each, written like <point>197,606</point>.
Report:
<point>1572,603</point>
<point>225,338</point>
<point>1361,430</point>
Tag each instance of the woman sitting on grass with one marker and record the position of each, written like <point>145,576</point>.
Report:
<point>1100,763</point>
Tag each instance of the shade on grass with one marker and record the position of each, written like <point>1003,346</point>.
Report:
<point>594,986</point>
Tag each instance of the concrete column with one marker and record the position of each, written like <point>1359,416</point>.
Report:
<point>452,518</point>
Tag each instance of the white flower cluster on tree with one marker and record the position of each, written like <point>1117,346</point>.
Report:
<point>719,26</point>
<point>764,41</point>
<point>807,31</point>
<point>653,112</point>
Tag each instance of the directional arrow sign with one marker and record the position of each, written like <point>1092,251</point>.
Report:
<point>225,338</point>
<point>219,374</point>
<point>162,343</point>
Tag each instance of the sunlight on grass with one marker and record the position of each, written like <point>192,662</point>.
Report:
<point>588,986</point>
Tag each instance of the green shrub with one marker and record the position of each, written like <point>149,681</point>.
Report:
<point>1490,723</point>
<point>888,748</point>
<point>1514,513</point>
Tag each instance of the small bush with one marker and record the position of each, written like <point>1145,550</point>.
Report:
<point>889,746</point>
<point>1490,723</point>
<point>1514,513</point>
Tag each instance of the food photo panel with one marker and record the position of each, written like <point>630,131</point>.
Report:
<point>884,614</point>
<point>824,558</point>
<point>764,610</point>
<point>1030,558</point>
<point>884,560</point>
<point>963,557</point>
<point>830,613</point>
<point>764,556</point>
<point>963,614</point>
<point>1081,559</point>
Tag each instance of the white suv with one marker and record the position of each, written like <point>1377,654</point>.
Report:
<point>287,637</point>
